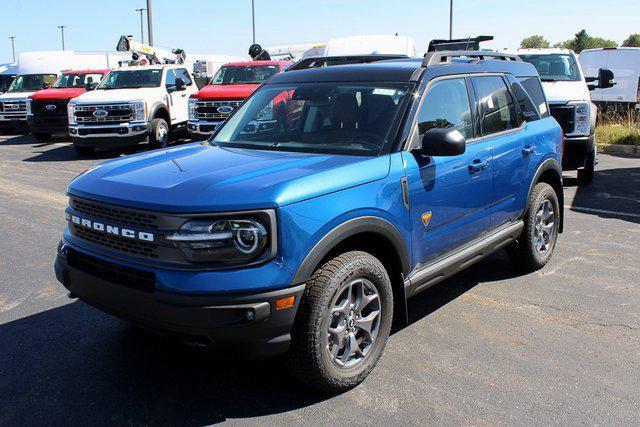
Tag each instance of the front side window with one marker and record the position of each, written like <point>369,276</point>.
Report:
<point>131,79</point>
<point>555,67</point>
<point>446,105</point>
<point>184,75</point>
<point>245,74</point>
<point>31,82</point>
<point>337,118</point>
<point>498,109</point>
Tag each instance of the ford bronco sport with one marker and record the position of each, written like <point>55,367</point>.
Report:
<point>369,184</point>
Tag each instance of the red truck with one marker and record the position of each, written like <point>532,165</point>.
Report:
<point>231,85</point>
<point>47,108</point>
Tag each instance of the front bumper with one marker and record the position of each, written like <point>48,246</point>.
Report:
<point>13,121</point>
<point>246,323</point>
<point>109,136</point>
<point>202,128</point>
<point>576,151</point>
<point>54,124</point>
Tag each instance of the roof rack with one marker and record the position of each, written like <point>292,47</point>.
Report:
<point>444,57</point>
<point>327,61</point>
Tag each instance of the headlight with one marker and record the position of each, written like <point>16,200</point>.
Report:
<point>266,113</point>
<point>28,106</point>
<point>192,109</point>
<point>582,119</point>
<point>227,241</point>
<point>138,111</point>
<point>71,108</point>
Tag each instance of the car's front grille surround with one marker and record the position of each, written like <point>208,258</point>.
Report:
<point>131,217</point>
<point>207,110</point>
<point>39,107</point>
<point>115,113</point>
<point>565,116</point>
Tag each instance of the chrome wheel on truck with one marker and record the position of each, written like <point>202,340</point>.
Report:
<point>343,322</point>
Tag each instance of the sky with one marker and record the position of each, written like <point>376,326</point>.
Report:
<point>224,26</point>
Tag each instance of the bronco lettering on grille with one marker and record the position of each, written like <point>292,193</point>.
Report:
<point>113,230</point>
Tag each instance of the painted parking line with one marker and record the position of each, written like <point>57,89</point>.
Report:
<point>601,211</point>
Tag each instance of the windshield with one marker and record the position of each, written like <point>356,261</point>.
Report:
<point>335,118</point>
<point>245,74</point>
<point>31,82</point>
<point>5,81</point>
<point>66,81</point>
<point>555,67</point>
<point>131,79</point>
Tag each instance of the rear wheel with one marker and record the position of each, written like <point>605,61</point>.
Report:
<point>159,133</point>
<point>535,246</point>
<point>343,323</point>
<point>84,151</point>
<point>585,175</point>
<point>41,136</point>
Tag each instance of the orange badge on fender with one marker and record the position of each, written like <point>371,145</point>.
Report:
<point>426,217</point>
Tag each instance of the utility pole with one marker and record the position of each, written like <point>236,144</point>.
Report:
<point>450,19</point>
<point>149,22</point>
<point>62,27</point>
<point>141,23</point>
<point>253,20</point>
<point>13,47</point>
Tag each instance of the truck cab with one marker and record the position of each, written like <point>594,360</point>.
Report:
<point>567,93</point>
<point>228,89</point>
<point>131,105</point>
<point>47,109</point>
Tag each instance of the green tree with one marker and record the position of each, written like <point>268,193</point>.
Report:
<point>534,42</point>
<point>632,41</point>
<point>582,41</point>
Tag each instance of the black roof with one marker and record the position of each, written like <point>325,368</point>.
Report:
<point>403,70</point>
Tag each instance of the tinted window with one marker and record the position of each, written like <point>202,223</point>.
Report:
<point>498,109</point>
<point>446,105</point>
<point>182,73</point>
<point>171,78</point>
<point>534,89</point>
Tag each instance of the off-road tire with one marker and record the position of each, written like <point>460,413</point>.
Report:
<point>41,136</point>
<point>84,151</point>
<point>155,139</point>
<point>308,358</point>
<point>523,253</point>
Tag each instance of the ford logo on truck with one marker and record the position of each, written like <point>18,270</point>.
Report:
<point>51,107</point>
<point>112,229</point>
<point>100,113</point>
<point>225,109</point>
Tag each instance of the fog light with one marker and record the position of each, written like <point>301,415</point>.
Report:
<point>249,315</point>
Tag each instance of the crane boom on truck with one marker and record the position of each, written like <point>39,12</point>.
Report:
<point>152,54</point>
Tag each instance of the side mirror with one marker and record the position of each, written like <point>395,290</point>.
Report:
<point>605,80</point>
<point>443,142</point>
<point>180,84</point>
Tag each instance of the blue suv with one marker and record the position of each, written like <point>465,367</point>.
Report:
<point>326,200</point>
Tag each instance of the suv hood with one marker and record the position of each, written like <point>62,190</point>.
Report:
<point>62,93</point>
<point>118,95</point>
<point>202,178</point>
<point>563,92</point>
<point>226,91</point>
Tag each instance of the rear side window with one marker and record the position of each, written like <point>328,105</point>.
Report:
<point>498,109</point>
<point>446,105</point>
<point>534,88</point>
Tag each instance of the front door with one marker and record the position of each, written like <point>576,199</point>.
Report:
<point>449,197</point>
<point>179,105</point>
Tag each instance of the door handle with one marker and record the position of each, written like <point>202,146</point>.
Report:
<point>528,150</point>
<point>477,166</point>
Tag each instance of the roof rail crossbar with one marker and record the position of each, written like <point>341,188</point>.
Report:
<point>444,57</point>
<point>326,61</point>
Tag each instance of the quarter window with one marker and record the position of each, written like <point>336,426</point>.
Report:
<point>498,109</point>
<point>534,89</point>
<point>446,105</point>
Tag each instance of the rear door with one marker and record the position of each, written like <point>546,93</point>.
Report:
<point>449,197</point>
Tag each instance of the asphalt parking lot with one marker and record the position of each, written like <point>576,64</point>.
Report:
<point>488,346</point>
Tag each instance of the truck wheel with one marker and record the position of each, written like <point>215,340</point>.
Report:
<point>159,133</point>
<point>585,175</point>
<point>343,323</point>
<point>40,136</point>
<point>84,151</point>
<point>535,246</point>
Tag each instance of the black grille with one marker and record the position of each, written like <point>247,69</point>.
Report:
<point>111,271</point>
<point>113,214</point>
<point>40,107</point>
<point>564,115</point>
<point>121,244</point>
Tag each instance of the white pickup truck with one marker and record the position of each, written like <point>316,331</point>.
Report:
<point>130,106</point>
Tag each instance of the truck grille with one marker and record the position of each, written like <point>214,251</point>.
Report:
<point>114,214</point>
<point>14,109</point>
<point>109,113</point>
<point>115,242</point>
<point>49,108</point>
<point>565,116</point>
<point>206,110</point>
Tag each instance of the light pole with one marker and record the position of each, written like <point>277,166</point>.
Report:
<point>13,47</point>
<point>62,27</point>
<point>149,22</point>
<point>450,19</point>
<point>253,20</point>
<point>141,23</point>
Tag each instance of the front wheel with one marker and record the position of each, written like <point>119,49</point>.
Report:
<point>343,323</point>
<point>535,246</point>
<point>159,133</point>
